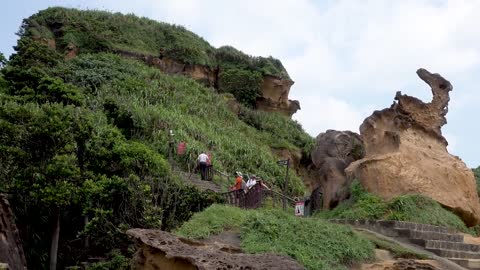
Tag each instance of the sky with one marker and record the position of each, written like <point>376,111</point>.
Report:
<point>347,57</point>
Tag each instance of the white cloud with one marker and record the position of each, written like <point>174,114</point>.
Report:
<point>325,113</point>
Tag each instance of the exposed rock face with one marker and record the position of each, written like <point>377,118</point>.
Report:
<point>402,264</point>
<point>273,90</point>
<point>163,251</point>
<point>334,151</point>
<point>204,74</point>
<point>274,96</point>
<point>11,252</point>
<point>406,153</point>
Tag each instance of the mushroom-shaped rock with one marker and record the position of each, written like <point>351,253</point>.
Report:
<point>406,153</point>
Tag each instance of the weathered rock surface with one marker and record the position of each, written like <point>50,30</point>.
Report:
<point>163,251</point>
<point>11,252</point>
<point>406,153</point>
<point>333,152</point>
<point>203,74</point>
<point>274,96</point>
<point>402,264</point>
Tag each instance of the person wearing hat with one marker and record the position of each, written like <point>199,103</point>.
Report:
<point>238,181</point>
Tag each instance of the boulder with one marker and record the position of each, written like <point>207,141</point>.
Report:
<point>333,152</point>
<point>161,250</point>
<point>11,252</point>
<point>406,153</point>
<point>273,97</point>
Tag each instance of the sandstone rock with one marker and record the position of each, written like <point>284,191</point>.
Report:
<point>274,96</point>
<point>402,264</point>
<point>11,252</point>
<point>333,152</point>
<point>164,251</point>
<point>203,74</point>
<point>406,153</point>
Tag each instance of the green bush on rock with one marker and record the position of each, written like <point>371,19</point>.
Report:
<point>413,208</point>
<point>313,242</point>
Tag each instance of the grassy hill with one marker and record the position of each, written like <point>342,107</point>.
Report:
<point>84,142</point>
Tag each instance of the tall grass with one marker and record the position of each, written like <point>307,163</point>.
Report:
<point>149,103</point>
<point>313,242</point>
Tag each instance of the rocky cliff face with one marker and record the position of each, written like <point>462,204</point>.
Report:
<point>406,153</point>
<point>163,251</point>
<point>274,96</point>
<point>334,151</point>
<point>11,252</point>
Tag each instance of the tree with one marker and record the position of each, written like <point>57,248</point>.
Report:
<point>3,60</point>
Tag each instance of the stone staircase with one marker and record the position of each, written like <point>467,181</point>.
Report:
<point>442,241</point>
<point>195,180</point>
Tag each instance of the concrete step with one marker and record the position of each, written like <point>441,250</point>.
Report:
<point>414,234</point>
<point>454,253</point>
<point>205,185</point>
<point>422,227</point>
<point>472,264</point>
<point>458,246</point>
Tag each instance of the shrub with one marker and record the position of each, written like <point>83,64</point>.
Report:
<point>411,207</point>
<point>243,84</point>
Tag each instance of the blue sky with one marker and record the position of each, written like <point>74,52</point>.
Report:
<point>347,57</point>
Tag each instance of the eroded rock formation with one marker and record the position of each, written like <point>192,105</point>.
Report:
<point>334,151</point>
<point>402,264</point>
<point>163,251</point>
<point>406,153</point>
<point>274,96</point>
<point>11,252</point>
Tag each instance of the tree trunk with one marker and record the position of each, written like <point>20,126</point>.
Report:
<point>87,240</point>
<point>55,237</point>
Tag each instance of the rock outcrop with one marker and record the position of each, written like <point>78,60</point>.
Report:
<point>163,251</point>
<point>406,153</point>
<point>274,91</point>
<point>333,152</point>
<point>274,96</point>
<point>402,264</point>
<point>11,252</point>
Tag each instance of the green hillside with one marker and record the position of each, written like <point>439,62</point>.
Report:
<point>85,141</point>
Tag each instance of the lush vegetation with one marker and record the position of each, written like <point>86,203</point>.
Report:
<point>413,208</point>
<point>272,230</point>
<point>84,142</point>
<point>100,31</point>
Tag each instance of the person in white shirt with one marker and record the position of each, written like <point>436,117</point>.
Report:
<point>203,160</point>
<point>251,182</point>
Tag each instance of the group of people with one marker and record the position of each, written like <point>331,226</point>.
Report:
<point>241,184</point>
